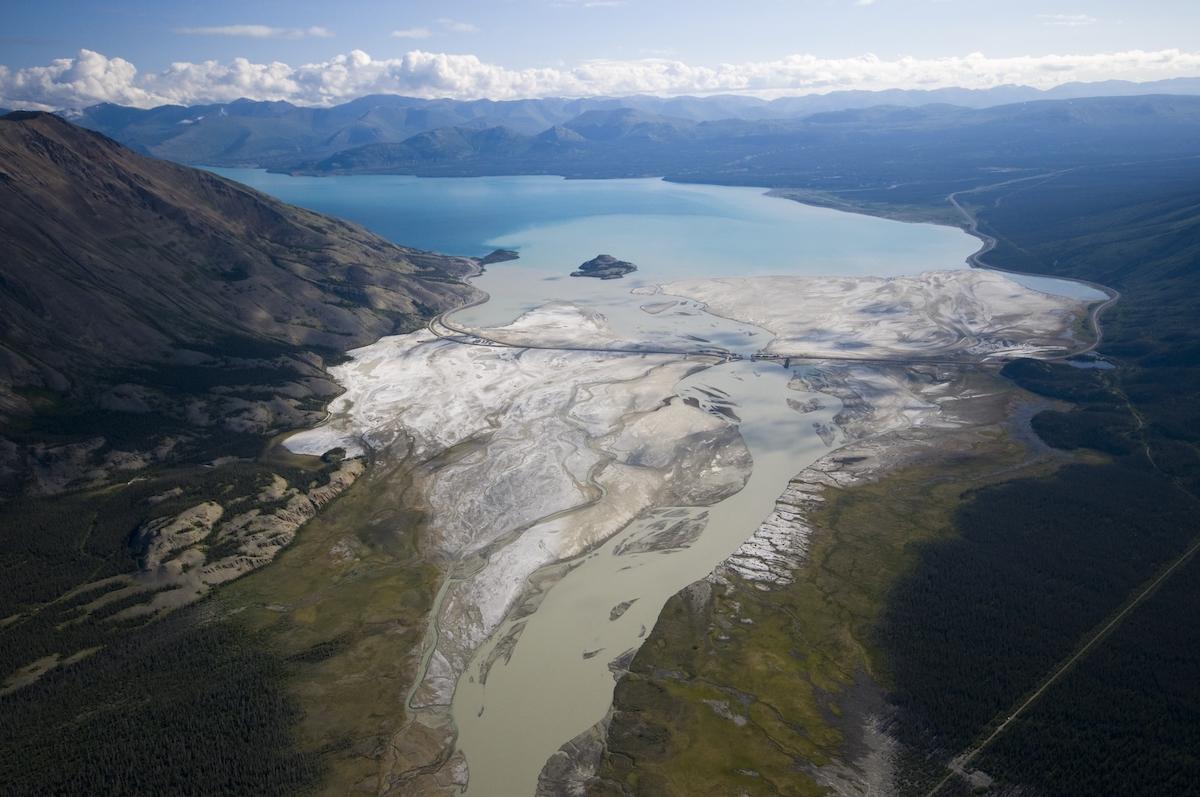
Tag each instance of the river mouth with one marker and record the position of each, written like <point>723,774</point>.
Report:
<point>589,453</point>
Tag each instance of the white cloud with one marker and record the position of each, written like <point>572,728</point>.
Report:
<point>457,26</point>
<point>258,32</point>
<point>1067,20</point>
<point>412,33</point>
<point>88,77</point>
<point>864,2</point>
<point>91,77</point>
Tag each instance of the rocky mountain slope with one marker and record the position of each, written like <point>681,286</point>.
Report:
<point>112,259</point>
<point>153,315</point>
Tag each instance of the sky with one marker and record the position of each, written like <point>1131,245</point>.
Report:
<point>56,54</point>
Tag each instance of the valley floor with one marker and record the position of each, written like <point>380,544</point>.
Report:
<point>526,464</point>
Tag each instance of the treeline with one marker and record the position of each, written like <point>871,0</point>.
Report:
<point>1126,720</point>
<point>169,706</point>
<point>1101,419</point>
<point>1038,563</point>
<point>155,706</point>
<point>176,707</point>
<point>51,545</point>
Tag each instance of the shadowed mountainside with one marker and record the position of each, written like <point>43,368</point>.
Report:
<point>112,259</point>
<point>160,327</point>
<point>153,315</point>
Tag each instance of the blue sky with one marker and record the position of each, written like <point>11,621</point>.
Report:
<point>512,39</point>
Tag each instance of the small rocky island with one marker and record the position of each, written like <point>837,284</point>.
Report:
<point>497,256</point>
<point>605,267</point>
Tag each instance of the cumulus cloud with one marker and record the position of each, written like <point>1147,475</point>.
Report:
<point>258,32</point>
<point>1067,20</point>
<point>88,77</point>
<point>412,33</point>
<point>91,77</point>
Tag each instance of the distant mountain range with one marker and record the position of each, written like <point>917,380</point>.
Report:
<point>279,134</point>
<point>940,148</point>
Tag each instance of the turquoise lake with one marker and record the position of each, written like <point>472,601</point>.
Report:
<point>670,230</point>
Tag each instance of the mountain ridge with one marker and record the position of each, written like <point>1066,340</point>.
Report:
<point>269,134</point>
<point>833,145</point>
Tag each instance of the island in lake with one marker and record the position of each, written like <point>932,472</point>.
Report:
<point>605,267</point>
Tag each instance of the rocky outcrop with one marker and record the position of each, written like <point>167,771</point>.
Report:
<point>185,555</point>
<point>164,536</point>
<point>605,267</point>
<point>571,771</point>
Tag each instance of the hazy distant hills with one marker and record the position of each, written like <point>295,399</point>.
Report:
<point>275,134</point>
<point>945,147</point>
<point>266,133</point>
<point>113,260</point>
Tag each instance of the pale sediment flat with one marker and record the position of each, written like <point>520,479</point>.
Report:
<point>558,450</point>
<point>560,483</point>
<point>557,680</point>
<point>966,314</point>
<point>669,323</point>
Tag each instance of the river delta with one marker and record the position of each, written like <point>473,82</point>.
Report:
<point>582,450</point>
